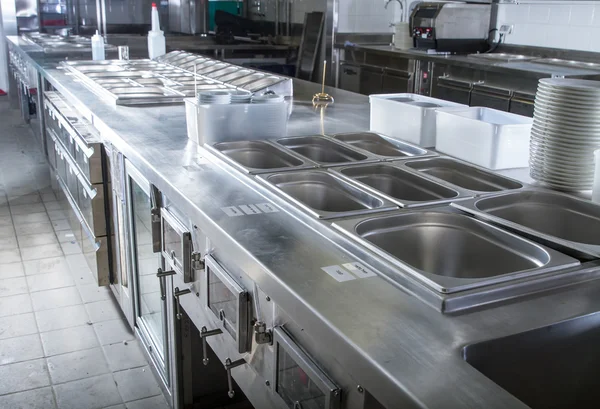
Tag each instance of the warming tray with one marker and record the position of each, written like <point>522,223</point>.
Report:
<point>465,176</point>
<point>140,82</point>
<point>325,151</point>
<point>259,156</point>
<point>563,222</point>
<point>400,186</point>
<point>449,251</point>
<point>324,195</point>
<point>383,147</point>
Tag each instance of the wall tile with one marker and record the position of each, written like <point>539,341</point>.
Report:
<point>539,13</point>
<point>559,14</point>
<point>582,15</point>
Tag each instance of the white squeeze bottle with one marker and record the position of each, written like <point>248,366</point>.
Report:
<point>156,38</point>
<point>98,47</point>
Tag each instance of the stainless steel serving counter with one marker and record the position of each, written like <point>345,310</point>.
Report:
<point>396,346</point>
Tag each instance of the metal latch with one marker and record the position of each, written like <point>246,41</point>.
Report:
<point>229,365</point>
<point>262,335</point>
<point>197,261</point>
<point>205,333</point>
<point>178,293</point>
<point>161,279</point>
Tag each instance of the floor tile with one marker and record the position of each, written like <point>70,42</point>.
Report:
<point>60,225</point>
<point>124,356</point>
<point>156,402</point>
<point>92,293</point>
<point>69,340</point>
<point>33,228</point>
<point>121,406</point>
<point>113,332</point>
<point>70,247</point>
<point>6,221</point>
<point>60,297</point>
<point>135,384</point>
<point>41,251</point>
<point>41,398</point>
<point>77,365</point>
<point>28,208</point>
<point>17,325</point>
<point>9,243</point>
<point>60,318</point>
<point>65,236</point>
<point>83,276</point>
<point>10,256</point>
<point>14,305</point>
<point>41,282</point>
<point>25,199</point>
<point>105,310</point>
<point>47,265</point>
<point>91,393</point>
<point>48,197</point>
<point>11,270</point>
<point>37,240</point>
<point>7,231</point>
<point>23,376</point>
<point>13,286</point>
<point>19,349</point>
<point>56,215</point>
<point>53,206</point>
<point>28,218</point>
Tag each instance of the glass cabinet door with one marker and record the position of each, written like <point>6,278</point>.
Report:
<point>150,308</point>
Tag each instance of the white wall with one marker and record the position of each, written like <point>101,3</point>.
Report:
<point>3,58</point>
<point>560,24</point>
<point>367,16</point>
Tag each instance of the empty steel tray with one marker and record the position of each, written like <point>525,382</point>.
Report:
<point>400,186</point>
<point>450,251</point>
<point>563,222</point>
<point>384,148</point>
<point>466,176</point>
<point>258,156</point>
<point>324,195</point>
<point>325,151</point>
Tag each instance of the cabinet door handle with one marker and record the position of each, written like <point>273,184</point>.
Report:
<point>229,365</point>
<point>178,293</point>
<point>205,333</point>
<point>161,279</point>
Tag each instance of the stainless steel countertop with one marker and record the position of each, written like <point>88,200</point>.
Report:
<point>523,68</point>
<point>396,346</point>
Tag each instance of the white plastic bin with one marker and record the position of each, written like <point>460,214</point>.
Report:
<point>410,117</point>
<point>484,136</point>
<point>212,123</point>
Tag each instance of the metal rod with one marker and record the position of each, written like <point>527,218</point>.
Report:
<point>324,75</point>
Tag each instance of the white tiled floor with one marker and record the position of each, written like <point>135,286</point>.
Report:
<point>63,341</point>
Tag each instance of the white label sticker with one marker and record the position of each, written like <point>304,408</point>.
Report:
<point>232,211</point>
<point>250,209</point>
<point>338,273</point>
<point>267,207</point>
<point>359,270</point>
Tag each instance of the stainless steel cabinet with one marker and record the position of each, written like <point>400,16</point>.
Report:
<point>395,81</point>
<point>371,80</point>
<point>522,103</point>
<point>452,89</point>
<point>484,95</point>
<point>350,77</point>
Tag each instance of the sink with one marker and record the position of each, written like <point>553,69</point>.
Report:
<point>380,146</point>
<point>325,195</point>
<point>553,367</point>
<point>258,156</point>
<point>569,224</point>
<point>569,63</point>
<point>323,151</point>
<point>450,251</point>
<point>400,186</point>
<point>502,57</point>
<point>465,176</point>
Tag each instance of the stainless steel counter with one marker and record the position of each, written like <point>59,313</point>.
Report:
<point>523,68</point>
<point>394,344</point>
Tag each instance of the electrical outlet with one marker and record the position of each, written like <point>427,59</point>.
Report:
<point>506,28</point>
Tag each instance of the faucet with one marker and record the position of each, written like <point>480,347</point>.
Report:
<point>387,3</point>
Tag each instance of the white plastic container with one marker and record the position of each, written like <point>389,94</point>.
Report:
<point>156,38</point>
<point>212,123</point>
<point>596,186</point>
<point>409,117</point>
<point>484,136</point>
<point>98,52</point>
<point>402,38</point>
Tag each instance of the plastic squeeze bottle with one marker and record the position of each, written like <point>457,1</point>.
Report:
<point>156,38</point>
<point>98,47</point>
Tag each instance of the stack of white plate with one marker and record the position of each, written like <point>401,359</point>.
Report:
<point>565,133</point>
<point>267,99</point>
<point>214,97</point>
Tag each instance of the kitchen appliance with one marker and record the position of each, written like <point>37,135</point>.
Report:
<point>451,26</point>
